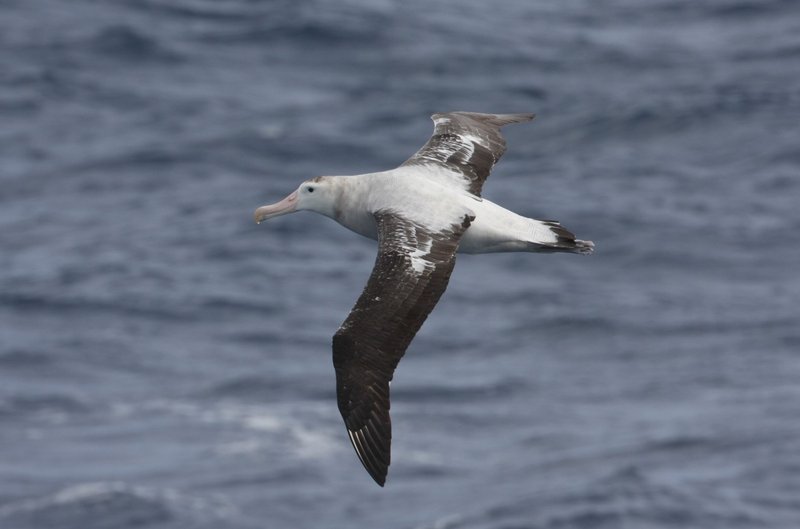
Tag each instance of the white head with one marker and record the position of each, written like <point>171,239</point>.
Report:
<point>318,194</point>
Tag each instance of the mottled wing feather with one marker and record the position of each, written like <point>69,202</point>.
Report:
<point>467,144</point>
<point>410,274</point>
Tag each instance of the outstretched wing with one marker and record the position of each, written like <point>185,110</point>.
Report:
<point>468,144</point>
<point>410,274</point>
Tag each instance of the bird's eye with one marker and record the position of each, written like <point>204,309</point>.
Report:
<point>310,189</point>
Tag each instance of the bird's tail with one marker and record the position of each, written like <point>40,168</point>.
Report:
<point>551,236</point>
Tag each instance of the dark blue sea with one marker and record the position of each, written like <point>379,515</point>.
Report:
<point>166,363</point>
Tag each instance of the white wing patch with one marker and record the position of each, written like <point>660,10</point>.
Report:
<point>540,233</point>
<point>472,139</point>
<point>417,255</point>
<point>467,145</point>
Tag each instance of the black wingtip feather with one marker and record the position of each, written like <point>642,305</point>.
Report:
<point>566,241</point>
<point>375,463</point>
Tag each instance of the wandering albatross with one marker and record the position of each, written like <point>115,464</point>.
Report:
<point>421,213</point>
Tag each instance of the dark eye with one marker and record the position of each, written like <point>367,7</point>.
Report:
<point>310,189</point>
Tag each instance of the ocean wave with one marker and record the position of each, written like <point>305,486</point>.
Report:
<point>53,407</point>
<point>314,24</point>
<point>746,9</point>
<point>235,10</point>
<point>271,425</point>
<point>266,388</point>
<point>25,358</point>
<point>626,497</point>
<point>683,109</point>
<point>124,42</point>
<point>436,393</point>
<point>62,305</point>
<point>100,505</point>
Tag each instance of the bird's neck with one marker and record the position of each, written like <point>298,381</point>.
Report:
<point>351,206</point>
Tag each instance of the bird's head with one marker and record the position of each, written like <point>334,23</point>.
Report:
<point>318,194</point>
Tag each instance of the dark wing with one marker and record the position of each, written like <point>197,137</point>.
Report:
<point>411,273</point>
<point>468,144</point>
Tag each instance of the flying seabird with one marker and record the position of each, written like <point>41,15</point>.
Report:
<point>421,213</point>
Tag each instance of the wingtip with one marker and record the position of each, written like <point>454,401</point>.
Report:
<point>516,118</point>
<point>378,474</point>
<point>498,120</point>
<point>375,467</point>
<point>584,247</point>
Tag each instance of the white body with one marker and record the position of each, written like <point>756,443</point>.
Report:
<point>416,196</point>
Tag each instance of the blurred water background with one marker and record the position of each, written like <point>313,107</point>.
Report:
<point>165,363</point>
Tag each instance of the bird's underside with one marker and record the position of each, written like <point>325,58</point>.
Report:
<point>417,244</point>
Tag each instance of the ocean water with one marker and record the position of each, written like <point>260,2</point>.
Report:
<point>165,363</point>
